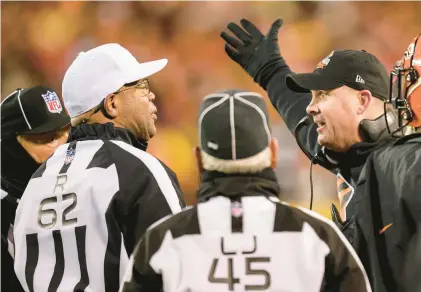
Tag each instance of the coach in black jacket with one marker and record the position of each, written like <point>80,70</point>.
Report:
<point>349,122</point>
<point>348,91</point>
<point>90,203</point>
<point>239,235</point>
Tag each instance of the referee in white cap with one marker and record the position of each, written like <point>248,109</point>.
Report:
<point>84,211</point>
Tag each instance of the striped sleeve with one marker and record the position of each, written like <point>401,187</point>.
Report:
<point>147,191</point>
<point>344,270</point>
<point>140,276</point>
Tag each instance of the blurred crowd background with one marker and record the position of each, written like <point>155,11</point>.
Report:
<point>39,40</point>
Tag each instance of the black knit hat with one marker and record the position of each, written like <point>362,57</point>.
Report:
<point>233,125</point>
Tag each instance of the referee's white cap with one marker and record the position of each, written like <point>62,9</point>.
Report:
<point>101,71</point>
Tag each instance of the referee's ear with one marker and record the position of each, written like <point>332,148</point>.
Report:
<point>199,160</point>
<point>110,106</point>
<point>274,148</point>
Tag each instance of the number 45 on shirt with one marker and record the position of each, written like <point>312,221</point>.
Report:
<point>230,279</point>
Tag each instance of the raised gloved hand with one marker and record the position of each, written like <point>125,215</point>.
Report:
<point>258,54</point>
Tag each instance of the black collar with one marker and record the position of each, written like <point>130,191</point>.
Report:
<point>238,185</point>
<point>412,138</point>
<point>357,154</point>
<point>105,132</point>
<point>17,167</point>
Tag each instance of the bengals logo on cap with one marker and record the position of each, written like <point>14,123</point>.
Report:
<point>325,61</point>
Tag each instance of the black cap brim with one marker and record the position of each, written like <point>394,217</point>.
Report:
<point>305,82</point>
<point>60,122</point>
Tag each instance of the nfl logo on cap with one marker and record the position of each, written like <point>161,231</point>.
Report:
<point>53,102</point>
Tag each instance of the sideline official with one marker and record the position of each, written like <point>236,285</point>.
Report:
<point>33,124</point>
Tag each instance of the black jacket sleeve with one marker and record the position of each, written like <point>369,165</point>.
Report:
<point>403,176</point>
<point>292,108</point>
<point>389,216</point>
<point>412,259</point>
<point>410,279</point>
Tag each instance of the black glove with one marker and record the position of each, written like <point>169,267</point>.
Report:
<point>258,54</point>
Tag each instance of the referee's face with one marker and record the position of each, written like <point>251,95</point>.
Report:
<point>136,110</point>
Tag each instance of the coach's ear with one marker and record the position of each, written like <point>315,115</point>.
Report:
<point>364,100</point>
<point>199,162</point>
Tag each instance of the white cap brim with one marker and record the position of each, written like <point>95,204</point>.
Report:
<point>144,70</point>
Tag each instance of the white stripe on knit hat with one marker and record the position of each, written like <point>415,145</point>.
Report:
<point>202,115</point>
<point>248,93</point>
<point>215,95</point>
<point>232,125</point>
<point>259,110</point>
<point>23,113</point>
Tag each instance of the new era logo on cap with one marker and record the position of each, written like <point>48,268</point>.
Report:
<point>359,79</point>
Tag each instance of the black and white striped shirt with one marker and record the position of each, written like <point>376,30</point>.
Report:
<point>85,209</point>
<point>254,244</point>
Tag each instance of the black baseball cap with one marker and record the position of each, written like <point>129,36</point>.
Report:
<point>356,69</point>
<point>34,110</point>
<point>233,124</point>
